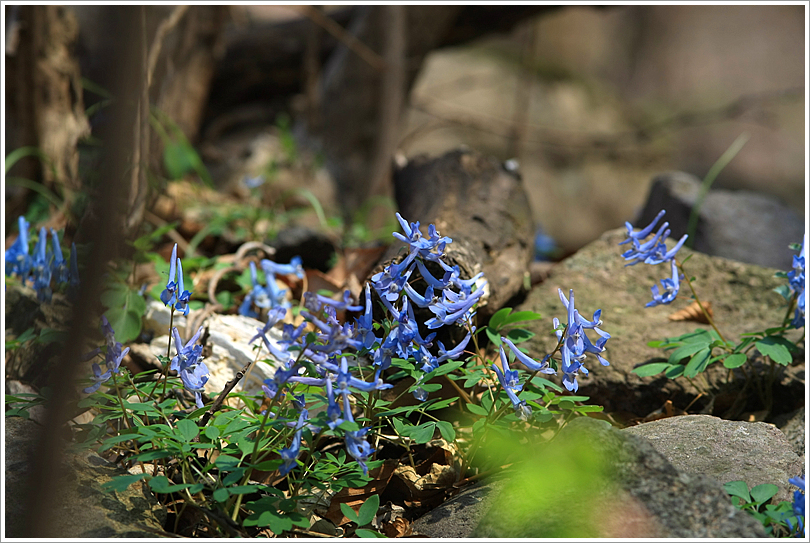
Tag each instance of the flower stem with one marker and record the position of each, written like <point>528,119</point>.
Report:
<point>709,318</point>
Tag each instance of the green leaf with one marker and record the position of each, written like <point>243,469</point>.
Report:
<point>160,484</point>
<point>368,510</point>
<point>211,432</point>
<point>447,367</point>
<point>349,513</point>
<point>126,315</point>
<point>735,360</point>
<point>521,316</point>
<point>775,348</point>
<point>647,370</point>
<point>497,320</point>
<point>687,350</point>
<point>148,456</point>
<point>178,158</point>
<point>188,429</point>
<point>738,488</point>
<point>519,335</point>
<point>447,431</point>
<point>674,371</point>
<point>477,409</point>
<point>221,494</point>
<point>763,493</point>
<point>268,465</point>
<point>698,363</point>
<point>122,482</point>
<point>493,336</point>
<point>423,433</point>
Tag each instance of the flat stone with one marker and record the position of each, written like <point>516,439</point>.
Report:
<point>83,510</point>
<point>725,450</point>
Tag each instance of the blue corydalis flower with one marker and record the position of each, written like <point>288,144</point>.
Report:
<point>356,442</point>
<point>168,296</point>
<point>670,288</point>
<point>115,354</point>
<point>183,295</point>
<point>188,354</point>
<point>575,343</point>
<point>18,260</point>
<point>290,454</point>
<point>293,268</point>
<point>798,505</point>
<point>511,386</point>
<point>655,252</point>
<point>527,361</point>
<point>796,282</point>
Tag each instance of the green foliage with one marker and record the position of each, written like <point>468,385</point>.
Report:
<point>503,321</point>
<point>776,518</point>
<point>125,310</point>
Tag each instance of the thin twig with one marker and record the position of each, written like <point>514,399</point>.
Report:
<point>221,398</point>
<point>166,25</point>
<point>361,49</point>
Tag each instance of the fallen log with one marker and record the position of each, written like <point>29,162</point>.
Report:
<point>483,207</point>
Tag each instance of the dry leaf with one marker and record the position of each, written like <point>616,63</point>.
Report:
<point>400,527</point>
<point>693,313</point>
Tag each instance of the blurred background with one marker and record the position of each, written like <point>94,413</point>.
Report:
<point>591,102</point>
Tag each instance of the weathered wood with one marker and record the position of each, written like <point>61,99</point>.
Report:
<point>484,209</point>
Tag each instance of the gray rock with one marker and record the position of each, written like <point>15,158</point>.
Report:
<point>611,484</point>
<point>458,516</point>
<point>742,299</point>
<point>740,225</point>
<point>725,450</point>
<point>83,509</point>
<point>794,427</point>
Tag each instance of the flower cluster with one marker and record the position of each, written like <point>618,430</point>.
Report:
<point>189,365</point>
<point>654,252</point>
<point>796,282</point>
<point>333,344</point>
<point>175,292</point>
<point>44,265</point>
<point>798,504</point>
<point>113,357</point>
<point>269,296</point>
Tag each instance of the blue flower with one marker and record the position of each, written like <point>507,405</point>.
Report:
<point>419,244</point>
<point>530,363</point>
<point>168,296</point>
<point>356,443</point>
<point>364,324</point>
<point>59,267</point>
<point>652,252</point>
<point>670,288</point>
<point>293,268</point>
<point>798,505</point>
<point>290,454</point>
<point>575,343</point>
<point>333,409</point>
<point>18,261</point>
<point>42,268</point>
<point>345,304</point>
<point>796,282</point>
<point>194,377</point>
<point>115,354</point>
<point>188,354</point>
<point>510,384</point>
<point>183,297</point>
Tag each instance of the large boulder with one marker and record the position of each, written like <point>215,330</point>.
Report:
<point>725,450</point>
<point>742,225</point>
<point>593,481</point>
<point>83,510</point>
<point>741,296</point>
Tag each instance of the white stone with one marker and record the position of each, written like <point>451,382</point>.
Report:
<point>230,352</point>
